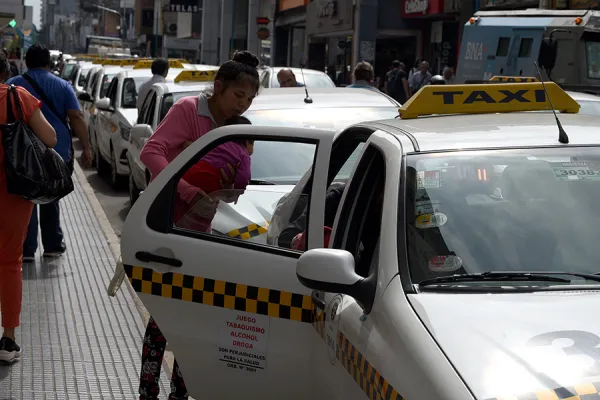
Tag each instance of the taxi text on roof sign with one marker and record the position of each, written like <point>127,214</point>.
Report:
<point>482,98</point>
<point>196,76</point>
<point>144,64</point>
<point>514,79</point>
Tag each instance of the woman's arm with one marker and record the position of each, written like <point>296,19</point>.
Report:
<point>42,128</point>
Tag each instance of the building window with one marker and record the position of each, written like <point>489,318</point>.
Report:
<point>503,44</point>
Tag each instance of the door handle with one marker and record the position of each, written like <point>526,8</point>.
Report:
<point>320,304</point>
<point>146,256</point>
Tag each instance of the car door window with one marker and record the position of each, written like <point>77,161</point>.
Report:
<point>244,212</point>
<point>149,116</point>
<point>143,114</point>
<point>112,91</point>
<point>359,223</point>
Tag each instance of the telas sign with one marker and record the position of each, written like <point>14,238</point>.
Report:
<point>416,6</point>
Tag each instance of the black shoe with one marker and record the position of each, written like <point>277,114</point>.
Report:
<point>56,252</point>
<point>9,350</point>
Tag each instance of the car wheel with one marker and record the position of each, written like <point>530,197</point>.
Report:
<point>134,192</point>
<point>116,180</point>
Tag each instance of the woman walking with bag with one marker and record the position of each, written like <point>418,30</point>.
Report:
<point>15,221</point>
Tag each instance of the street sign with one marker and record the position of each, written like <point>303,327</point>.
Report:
<point>262,21</point>
<point>12,23</point>
<point>263,33</point>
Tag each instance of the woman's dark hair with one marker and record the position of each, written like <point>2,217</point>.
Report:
<point>37,57</point>
<point>363,72</point>
<point>4,66</point>
<point>242,67</point>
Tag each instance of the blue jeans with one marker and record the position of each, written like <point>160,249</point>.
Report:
<point>49,221</point>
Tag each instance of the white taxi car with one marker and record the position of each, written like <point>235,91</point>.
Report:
<point>275,166</point>
<point>310,77</point>
<point>455,268</point>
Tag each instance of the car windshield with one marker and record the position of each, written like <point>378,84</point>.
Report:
<point>131,87</point>
<point>67,70</point>
<point>503,210</point>
<point>312,80</point>
<point>320,118</point>
<point>281,163</point>
<point>171,98</point>
<point>592,50</point>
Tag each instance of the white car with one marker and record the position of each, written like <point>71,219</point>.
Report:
<point>456,268</point>
<point>590,103</point>
<point>311,78</point>
<point>275,166</point>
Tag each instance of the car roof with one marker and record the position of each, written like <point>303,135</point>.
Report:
<point>479,131</point>
<point>111,69</point>
<point>297,71</point>
<point>577,96</point>
<point>293,98</point>
<point>133,73</point>
<point>170,87</point>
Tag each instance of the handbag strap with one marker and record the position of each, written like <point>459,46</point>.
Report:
<point>12,90</point>
<point>45,99</point>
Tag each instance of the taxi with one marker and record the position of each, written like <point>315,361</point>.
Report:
<point>456,269</point>
<point>275,166</point>
<point>117,115</point>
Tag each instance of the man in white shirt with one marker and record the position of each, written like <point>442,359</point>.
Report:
<point>160,69</point>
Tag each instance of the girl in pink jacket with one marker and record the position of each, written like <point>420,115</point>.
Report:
<point>236,84</point>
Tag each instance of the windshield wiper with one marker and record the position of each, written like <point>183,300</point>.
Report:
<point>546,276</point>
<point>261,182</point>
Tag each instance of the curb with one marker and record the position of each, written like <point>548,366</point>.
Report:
<point>114,244</point>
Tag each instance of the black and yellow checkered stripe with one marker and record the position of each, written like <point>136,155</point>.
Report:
<point>584,391</point>
<point>362,371</point>
<point>248,232</point>
<point>234,296</point>
<point>274,303</point>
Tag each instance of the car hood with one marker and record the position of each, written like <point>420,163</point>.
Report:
<point>249,218</point>
<point>544,343</point>
<point>130,114</point>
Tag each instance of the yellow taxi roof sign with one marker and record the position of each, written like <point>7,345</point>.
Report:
<point>192,75</point>
<point>98,61</point>
<point>514,79</point>
<point>485,98</point>
<point>145,64</point>
<point>123,62</point>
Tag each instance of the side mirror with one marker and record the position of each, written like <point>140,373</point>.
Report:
<point>83,96</point>
<point>332,270</point>
<point>140,133</point>
<point>103,104</point>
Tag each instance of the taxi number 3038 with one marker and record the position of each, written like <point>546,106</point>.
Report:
<point>584,344</point>
<point>565,172</point>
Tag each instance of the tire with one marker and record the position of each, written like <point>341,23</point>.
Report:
<point>116,180</point>
<point>134,192</point>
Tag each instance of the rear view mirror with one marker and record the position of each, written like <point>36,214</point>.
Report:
<point>103,104</point>
<point>83,96</point>
<point>332,270</point>
<point>140,134</point>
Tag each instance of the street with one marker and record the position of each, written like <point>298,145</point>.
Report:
<point>114,203</point>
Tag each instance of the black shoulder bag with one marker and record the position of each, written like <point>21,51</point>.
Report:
<point>33,171</point>
<point>45,100</point>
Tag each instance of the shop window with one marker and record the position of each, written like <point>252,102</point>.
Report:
<point>503,44</point>
<point>525,48</point>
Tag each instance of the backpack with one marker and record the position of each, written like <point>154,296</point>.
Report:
<point>395,87</point>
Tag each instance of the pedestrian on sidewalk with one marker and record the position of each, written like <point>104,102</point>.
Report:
<point>160,70</point>
<point>363,76</point>
<point>236,84</point>
<point>16,212</point>
<point>59,103</point>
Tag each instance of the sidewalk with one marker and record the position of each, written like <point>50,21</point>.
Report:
<point>77,342</point>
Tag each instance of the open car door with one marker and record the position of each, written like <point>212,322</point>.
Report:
<point>233,311</point>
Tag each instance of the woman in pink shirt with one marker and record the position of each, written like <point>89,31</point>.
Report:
<point>236,84</point>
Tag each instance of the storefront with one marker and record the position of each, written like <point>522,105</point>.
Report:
<point>330,29</point>
<point>439,24</point>
<point>290,33</point>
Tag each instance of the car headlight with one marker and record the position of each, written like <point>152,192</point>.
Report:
<point>125,131</point>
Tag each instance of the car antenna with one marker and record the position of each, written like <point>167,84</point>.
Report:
<point>307,99</point>
<point>562,135</point>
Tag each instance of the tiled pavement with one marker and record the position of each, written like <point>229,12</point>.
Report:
<point>78,343</point>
